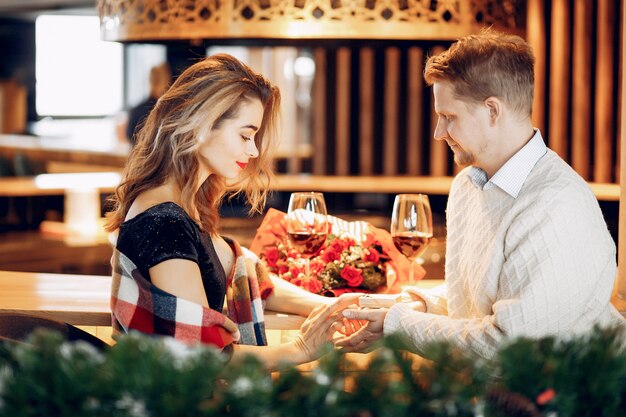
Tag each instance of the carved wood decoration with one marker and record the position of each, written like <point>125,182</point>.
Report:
<point>154,20</point>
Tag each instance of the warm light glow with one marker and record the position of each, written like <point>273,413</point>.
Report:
<point>82,211</point>
<point>90,180</point>
<point>82,197</point>
<point>304,66</point>
<point>77,73</point>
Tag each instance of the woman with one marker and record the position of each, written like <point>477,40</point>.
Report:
<point>216,124</point>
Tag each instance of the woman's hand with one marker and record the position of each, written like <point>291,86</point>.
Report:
<point>350,300</point>
<point>321,325</point>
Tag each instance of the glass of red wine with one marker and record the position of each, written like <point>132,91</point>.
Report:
<point>411,226</point>
<point>307,225</point>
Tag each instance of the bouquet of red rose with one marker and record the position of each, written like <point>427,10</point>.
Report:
<point>355,257</point>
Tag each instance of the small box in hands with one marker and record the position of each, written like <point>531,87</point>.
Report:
<point>379,300</point>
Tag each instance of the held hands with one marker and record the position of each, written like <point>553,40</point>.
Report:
<point>371,327</point>
<point>360,327</point>
<point>367,334</point>
<point>321,325</point>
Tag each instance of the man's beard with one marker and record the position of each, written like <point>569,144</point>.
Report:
<point>463,158</point>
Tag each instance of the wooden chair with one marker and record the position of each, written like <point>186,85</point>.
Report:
<point>16,327</point>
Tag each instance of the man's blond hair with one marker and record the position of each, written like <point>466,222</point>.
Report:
<point>488,64</point>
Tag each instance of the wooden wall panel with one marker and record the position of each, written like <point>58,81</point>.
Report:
<point>342,100</point>
<point>414,117</point>
<point>391,111</point>
<point>366,112</point>
<point>319,112</point>
<point>591,81</point>
<point>536,29</point>
<point>289,112</point>
<point>621,260</point>
<point>389,121</point>
<point>559,77</point>
<point>438,148</point>
<point>604,104</point>
<point>620,125</point>
<point>581,95</point>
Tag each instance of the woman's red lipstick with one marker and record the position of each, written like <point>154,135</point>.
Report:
<point>242,165</point>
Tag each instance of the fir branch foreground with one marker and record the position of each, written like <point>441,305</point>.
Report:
<point>144,376</point>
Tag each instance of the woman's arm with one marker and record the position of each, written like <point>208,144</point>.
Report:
<point>318,329</point>
<point>289,298</point>
<point>272,356</point>
<point>286,298</point>
<point>180,277</point>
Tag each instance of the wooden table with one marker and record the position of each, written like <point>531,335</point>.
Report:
<point>84,299</point>
<point>75,299</point>
<point>81,300</point>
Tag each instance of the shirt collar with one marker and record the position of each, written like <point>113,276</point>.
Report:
<point>511,176</point>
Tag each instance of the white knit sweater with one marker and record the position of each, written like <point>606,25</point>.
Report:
<point>539,264</point>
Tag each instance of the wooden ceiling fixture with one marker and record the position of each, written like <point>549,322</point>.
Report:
<point>163,20</point>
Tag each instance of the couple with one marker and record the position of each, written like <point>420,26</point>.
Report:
<point>528,251</point>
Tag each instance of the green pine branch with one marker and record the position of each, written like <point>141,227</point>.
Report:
<point>148,376</point>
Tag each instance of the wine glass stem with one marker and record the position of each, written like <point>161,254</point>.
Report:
<point>306,267</point>
<point>411,270</point>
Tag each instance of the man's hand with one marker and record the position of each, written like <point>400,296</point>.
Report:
<point>364,337</point>
<point>321,325</point>
<point>347,301</point>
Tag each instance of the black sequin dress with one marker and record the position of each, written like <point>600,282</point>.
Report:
<point>165,231</point>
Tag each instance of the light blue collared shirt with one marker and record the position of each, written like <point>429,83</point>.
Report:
<point>511,176</point>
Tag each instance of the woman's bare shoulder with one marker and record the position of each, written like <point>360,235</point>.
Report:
<point>147,200</point>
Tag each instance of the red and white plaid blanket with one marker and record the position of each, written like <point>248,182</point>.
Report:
<point>136,304</point>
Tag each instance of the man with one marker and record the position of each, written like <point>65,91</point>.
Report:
<point>159,83</point>
<point>528,251</point>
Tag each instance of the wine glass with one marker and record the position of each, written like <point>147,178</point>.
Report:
<point>411,226</point>
<point>307,225</point>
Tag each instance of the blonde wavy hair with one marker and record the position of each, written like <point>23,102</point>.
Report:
<point>204,95</point>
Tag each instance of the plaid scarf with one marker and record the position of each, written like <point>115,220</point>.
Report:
<point>136,304</point>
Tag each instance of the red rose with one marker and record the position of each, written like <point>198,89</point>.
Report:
<point>295,271</point>
<point>338,245</point>
<point>298,281</point>
<point>350,242</point>
<point>314,286</point>
<point>372,255</point>
<point>283,268</point>
<point>546,396</point>
<point>330,255</point>
<point>352,275</point>
<point>271,255</point>
<point>316,266</point>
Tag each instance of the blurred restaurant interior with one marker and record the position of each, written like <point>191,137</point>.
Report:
<point>357,118</point>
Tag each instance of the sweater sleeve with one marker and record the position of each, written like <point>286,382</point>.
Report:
<point>434,298</point>
<point>479,334</point>
<point>556,280</point>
